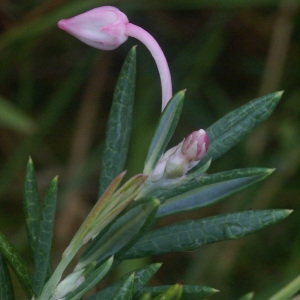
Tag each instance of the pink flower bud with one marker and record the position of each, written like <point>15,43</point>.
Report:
<point>195,145</point>
<point>102,27</point>
<point>107,28</point>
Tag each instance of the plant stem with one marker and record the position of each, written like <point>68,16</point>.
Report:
<point>159,57</point>
<point>56,276</point>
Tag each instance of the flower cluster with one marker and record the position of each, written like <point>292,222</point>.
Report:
<point>107,28</point>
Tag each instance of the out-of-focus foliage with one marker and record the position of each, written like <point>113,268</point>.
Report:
<point>223,52</point>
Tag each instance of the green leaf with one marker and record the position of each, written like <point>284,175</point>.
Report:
<point>125,291</point>
<point>248,296</point>
<point>18,264</point>
<point>164,131</point>
<point>122,232</point>
<point>12,117</point>
<point>91,280</point>
<point>145,297</point>
<point>192,234</point>
<point>189,292</point>
<point>44,242</point>
<point>174,292</point>
<point>119,124</point>
<point>6,287</point>
<point>111,204</point>
<point>288,291</point>
<point>191,182</point>
<point>31,207</point>
<point>232,128</point>
<point>141,277</point>
<point>209,189</point>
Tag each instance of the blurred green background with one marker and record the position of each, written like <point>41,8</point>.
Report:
<point>55,95</point>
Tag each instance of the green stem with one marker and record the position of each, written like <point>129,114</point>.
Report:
<point>52,283</point>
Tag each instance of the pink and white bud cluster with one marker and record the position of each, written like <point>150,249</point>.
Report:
<point>177,161</point>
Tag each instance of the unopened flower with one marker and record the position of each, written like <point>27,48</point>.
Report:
<point>107,28</point>
<point>195,145</point>
<point>102,27</point>
<point>178,160</point>
<point>172,167</point>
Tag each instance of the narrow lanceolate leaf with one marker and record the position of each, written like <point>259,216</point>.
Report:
<point>288,291</point>
<point>189,292</point>
<point>194,182</point>
<point>123,232</point>
<point>119,124</point>
<point>6,287</point>
<point>141,277</point>
<point>209,189</point>
<point>18,264</point>
<point>192,234</point>
<point>248,296</point>
<point>164,131</point>
<point>31,207</point>
<point>174,292</point>
<point>106,209</point>
<point>229,130</point>
<point>44,242</point>
<point>125,291</point>
<point>91,280</point>
<point>95,215</point>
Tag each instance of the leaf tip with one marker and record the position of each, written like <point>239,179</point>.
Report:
<point>132,52</point>
<point>271,171</point>
<point>30,162</point>
<point>280,93</point>
<point>277,96</point>
<point>288,211</point>
<point>182,93</point>
<point>156,202</point>
<point>282,214</point>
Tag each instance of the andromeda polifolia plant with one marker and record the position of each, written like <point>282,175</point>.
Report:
<point>121,225</point>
